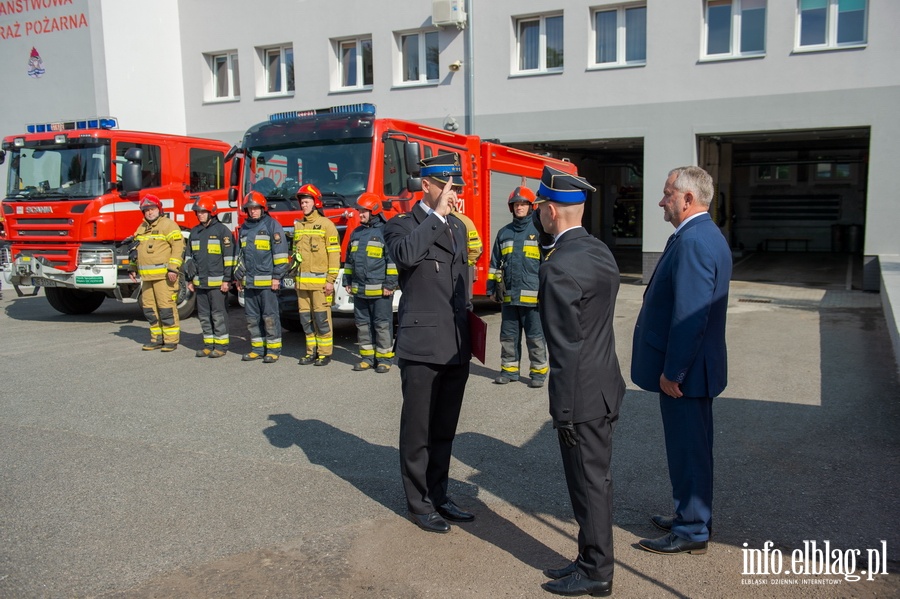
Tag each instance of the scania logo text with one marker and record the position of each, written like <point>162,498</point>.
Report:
<point>38,209</point>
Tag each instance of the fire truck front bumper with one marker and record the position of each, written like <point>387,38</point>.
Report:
<point>36,271</point>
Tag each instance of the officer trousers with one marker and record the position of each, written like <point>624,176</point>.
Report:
<point>315,316</point>
<point>374,322</point>
<point>515,319</point>
<point>432,399</point>
<point>688,430</point>
<point>213,316</point>
<point>158,301</point>
<point>263,320</point>
<point>589,481</point>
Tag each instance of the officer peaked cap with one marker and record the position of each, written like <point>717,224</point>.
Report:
<point>561,187</point>
<point>443,167</point>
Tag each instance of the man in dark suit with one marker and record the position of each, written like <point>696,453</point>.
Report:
<point>679,352</point>
<point>579,281</point>
<point>428,245</point>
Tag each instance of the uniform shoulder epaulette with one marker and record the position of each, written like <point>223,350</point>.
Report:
<point>402,215</point>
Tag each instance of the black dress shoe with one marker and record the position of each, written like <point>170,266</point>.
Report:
<point>452,512</point>
<point>431,522</point>
<point>575,585</point>
<point>557,573</point>
<point>663,522</point>
<point>672,544</point>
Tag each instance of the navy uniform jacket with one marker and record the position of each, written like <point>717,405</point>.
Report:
<point>368,267</point>
<point>680,331</point>
<point>577,301</point>
<point>433,313</point>
<point>210,255</point>
<point>263,255</point>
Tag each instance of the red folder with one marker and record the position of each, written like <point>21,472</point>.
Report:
<point>478,335</point>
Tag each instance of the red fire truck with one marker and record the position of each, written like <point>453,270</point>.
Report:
<point>345,151</point>
<point>72,199</point>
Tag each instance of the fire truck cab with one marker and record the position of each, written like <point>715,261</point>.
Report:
<point>345,151</point>
<point>72,200</point>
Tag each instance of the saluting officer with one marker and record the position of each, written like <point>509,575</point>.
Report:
<point>262,263</point>
<point>209,266</point>
<point>433,345</point>
<point>160,252</point>
<point>318,249</point>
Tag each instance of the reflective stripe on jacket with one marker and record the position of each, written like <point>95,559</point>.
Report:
<point>516,258</point>
<point>318,247</point>
<point>263,255</point>
<point>368,267</point>
<point>160,248</point>
<point>211,255</point>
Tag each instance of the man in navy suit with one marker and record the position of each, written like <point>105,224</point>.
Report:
<point>679,352</point>
<point>428,245</point>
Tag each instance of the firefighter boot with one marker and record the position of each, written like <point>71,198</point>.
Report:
<point>203,353</point>
<point>307,359</point>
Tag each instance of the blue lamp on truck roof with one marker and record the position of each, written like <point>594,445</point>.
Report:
<point>290,115</point>
<point>94,122</point>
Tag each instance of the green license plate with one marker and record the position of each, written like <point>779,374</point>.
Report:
<point>89,280</point>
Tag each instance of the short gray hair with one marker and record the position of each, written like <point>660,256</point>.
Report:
<point>695,180</point>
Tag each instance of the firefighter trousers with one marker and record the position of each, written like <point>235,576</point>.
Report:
<point>263,320</point>
<point>515,319</point>
<point>158,301</point>
<point>213,316</point>
<point>374,323</point>
<point>315,316</point>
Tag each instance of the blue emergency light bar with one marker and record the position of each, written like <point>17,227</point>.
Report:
<point>280,117</point>
<point>95,122</point>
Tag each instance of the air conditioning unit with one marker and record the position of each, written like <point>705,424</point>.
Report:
<point>448,12</point>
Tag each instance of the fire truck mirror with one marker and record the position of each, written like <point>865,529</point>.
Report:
<point>412,157</point>
<point>235,172</point>
<point>414,184</point>
<point>133,155</point>
<point>131,175</point>
<point>233,197</point>
<point>2,156</point>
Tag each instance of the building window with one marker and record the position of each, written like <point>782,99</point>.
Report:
<point>826,24</point>
<point>278,70</point>
<point>776,174</point>
<point>355,63</point>
<point>226,81</point>
<point>539,44</point>
<point>419,57</point>
<point>735,28</point>
<point>620,35</point>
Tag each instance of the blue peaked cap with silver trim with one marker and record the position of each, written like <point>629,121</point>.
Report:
<point>442,167</point>
<point>564,188</point>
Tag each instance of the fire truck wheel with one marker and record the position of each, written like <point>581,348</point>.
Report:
<point>186,301</point>
<point>74,301</point>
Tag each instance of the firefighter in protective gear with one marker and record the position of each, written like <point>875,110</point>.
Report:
<point>370,276</point>
<point>318,250</point>
<point>158,260</point>
<point>208,268</point>
<point>474,245</point>
<point>262,263</point>
<point>515,260</point>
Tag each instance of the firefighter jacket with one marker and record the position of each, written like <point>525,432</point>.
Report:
<point>318,249</point>
<point>474,245</point>
<point>160,249</point>
<point>263,255</point>
<point>515,260</point>
<point>368,267</point>
<point>210,255</point>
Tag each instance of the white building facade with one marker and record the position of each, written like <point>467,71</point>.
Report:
<point>791,104</point>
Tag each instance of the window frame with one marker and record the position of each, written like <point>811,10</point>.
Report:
<point>832,20</point>
<point>621,61</point>
<point>232,69</point>
<point>735,33</point>
<point>287,73</point>
<point>422,49</point>
<point>359,43</point>
<point>542,69</point>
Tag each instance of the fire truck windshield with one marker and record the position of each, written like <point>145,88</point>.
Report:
<point>339,168</point>
<point>50,170</point>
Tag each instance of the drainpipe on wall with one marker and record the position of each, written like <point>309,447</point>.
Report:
<point>470,68</point>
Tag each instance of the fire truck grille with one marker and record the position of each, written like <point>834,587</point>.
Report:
<point>42,233</point>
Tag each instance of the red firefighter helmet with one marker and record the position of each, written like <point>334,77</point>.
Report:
<point>369,201</point>
<point>521,194</point>
<point>313,192</point>
<point>206,205</point>
<point>254,199</point>
<point>150,201</point>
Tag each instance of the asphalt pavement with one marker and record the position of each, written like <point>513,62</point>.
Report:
<point>139,474</point>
